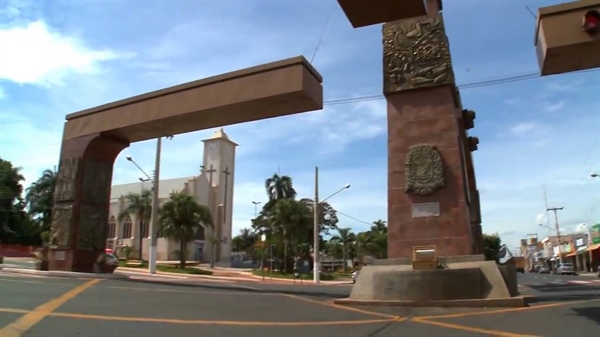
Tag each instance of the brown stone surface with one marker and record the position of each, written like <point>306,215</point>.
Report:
<point>561,44</point>
<point>93,138</point>
<point>86,236</point>
<point>363,13</point>
<point>430,116</point>
<point>270,90</point>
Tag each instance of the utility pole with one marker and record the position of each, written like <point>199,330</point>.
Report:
<point>557,226</point>
<point>316,249</point>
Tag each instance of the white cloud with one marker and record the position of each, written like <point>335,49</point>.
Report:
<point>32,148</point>
<point>554,106</point>
<point>32,54</point>
<point>522,128</point>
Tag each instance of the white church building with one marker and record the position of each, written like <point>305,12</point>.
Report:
<point>213,187</point>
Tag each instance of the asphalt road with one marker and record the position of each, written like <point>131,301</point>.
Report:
<point>36,307</point>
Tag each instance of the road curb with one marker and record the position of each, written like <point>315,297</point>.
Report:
<point>62,273</point>
<point>510,302</point>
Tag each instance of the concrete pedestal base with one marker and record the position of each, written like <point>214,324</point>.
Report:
<point>462,284</point>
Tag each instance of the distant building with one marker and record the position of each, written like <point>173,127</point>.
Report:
<point>213,187</point>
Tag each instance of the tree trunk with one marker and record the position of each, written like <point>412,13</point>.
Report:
<point>182,254</point>
<point>141,240</point>
<point>213,256</point>
<point>344,258</point>
<point>285,260</point>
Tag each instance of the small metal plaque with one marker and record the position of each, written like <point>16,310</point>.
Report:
<point>59,255</point>
<point>425,210</point>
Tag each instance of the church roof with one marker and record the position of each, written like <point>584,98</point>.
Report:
<point>165,187</point>
<point>220,134</point>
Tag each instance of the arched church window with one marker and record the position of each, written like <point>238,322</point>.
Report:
<point>112,228</point>
<point>127,228</point>
<point>145,229</point>
<point>200,234</point>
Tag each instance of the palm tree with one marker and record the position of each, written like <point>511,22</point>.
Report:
<point>40,198</point>
<point>279,187</point>
<point>379,242</point>
<point>363,244</point>
<point>379,226</point>
<point>333,249</point>
<point>12,215</point>
<point>140,206</point>
<point>180,218</point>
<point>290,219</point>
<point>345,237</point>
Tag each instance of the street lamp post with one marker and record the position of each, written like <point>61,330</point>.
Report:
<point>316,229</point>
<point>256,203</point>
<point>152,249</point>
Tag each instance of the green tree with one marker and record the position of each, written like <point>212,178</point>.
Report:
<point>379,226</point>
<point>290,220</point>
<point>180,218</point>
<point>491,246</point>
<point>140,206</point>
<point>40,198</point>
<point>14,221</point>
<point>280,187</point>
<point>345,238</point>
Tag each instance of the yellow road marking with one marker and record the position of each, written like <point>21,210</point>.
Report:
<point>35,282</point>
<point>330,304</point>
<point>20,326</point>
<point>15,311</point>
<point>199,322</point>
<point>502,311</point>
<point>233,292</point>
<point>333,305</point>
<point>469,328</point>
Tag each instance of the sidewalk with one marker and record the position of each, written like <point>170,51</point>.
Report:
<point>239,277</point>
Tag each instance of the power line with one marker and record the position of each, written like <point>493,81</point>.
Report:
<point>353,218</point>
<point>472,85</point>
<point>333,5</point>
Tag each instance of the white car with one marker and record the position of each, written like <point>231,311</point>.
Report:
<point>354,276</point>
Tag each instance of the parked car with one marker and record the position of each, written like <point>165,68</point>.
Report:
<point>354,276</point>
<point>544,270</point>
<point>565,269</point>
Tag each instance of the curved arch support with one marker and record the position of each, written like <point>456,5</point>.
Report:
<point>81,201</point>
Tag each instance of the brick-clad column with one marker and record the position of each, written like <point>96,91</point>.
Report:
<point>81,202</point>
<point>427,182</point>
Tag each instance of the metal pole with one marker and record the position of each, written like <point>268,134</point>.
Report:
<point>555,209</point>
<point>316,250</point>
<point>271,268</point>
<point>152,250</point>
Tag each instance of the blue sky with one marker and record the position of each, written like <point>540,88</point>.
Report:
<point>59,57</point>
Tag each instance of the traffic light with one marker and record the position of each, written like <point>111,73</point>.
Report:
<point>591,21</point>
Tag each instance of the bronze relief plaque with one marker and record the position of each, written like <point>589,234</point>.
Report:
<point>416,54</point>
<point>96,181</point>
<point>66,179</point>
<point>424,169</point>
<point>60,228</point>
<point>91,232</point>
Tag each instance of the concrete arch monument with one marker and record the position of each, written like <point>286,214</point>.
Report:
<point>93,138</point>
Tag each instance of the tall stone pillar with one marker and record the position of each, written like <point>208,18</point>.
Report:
<point>427,177</point>
<point>470,145</point>
<point>81,202</point>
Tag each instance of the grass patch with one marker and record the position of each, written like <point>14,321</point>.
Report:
<point>309,276</point>
<point>166,268</point>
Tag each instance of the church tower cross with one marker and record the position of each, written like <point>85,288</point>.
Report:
<point>210,173</point>
<point>227,173</point>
